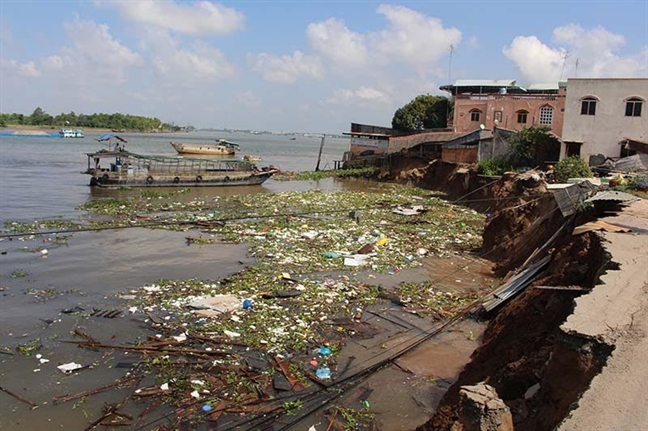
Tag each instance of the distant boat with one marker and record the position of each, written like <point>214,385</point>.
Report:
<point>71,133</point>
<point>293,139</point>
<point>220,148</point>
<point>135,170</point>
<point>249,158</point>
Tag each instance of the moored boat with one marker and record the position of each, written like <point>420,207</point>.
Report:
<point>220,148</point>
<point>71,133</point>
<point>122,168</point>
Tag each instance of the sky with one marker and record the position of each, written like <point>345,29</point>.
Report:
<point>298,65</point>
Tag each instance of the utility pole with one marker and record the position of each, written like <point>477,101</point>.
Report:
<point>319,156</point>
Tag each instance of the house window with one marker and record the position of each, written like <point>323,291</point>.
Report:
<point>633,107</point>
<point>498,116</point>
<point>522,117</point>
<point>588,106</point>
<point>475,114</point>
<point>546,115</point>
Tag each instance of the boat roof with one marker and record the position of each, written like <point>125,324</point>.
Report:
<point>124,153</point>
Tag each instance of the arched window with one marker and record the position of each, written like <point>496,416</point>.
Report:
<point>633,107</point>
<point>546,115</point>
<point>475,114</point>
<point>522,116</point>
<point>588,105</point>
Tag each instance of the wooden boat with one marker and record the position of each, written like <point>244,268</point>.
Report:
<point>220,148</point>
<point>121,168</point>
<point>70,133</point>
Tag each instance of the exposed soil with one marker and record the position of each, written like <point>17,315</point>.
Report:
<point>537,369</point>
<point>514,357</point>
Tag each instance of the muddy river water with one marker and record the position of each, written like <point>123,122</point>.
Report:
<point>39,178</point>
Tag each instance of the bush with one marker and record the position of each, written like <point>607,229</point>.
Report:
<point>494,167</point>
<point>572,167</point>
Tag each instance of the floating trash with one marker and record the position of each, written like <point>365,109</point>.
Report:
<point>323,373</point>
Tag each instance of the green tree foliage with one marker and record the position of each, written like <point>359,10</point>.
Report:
<point>105,121</point>
<point>424,112</point>
<point>533,146</point>
<point>571,167</point>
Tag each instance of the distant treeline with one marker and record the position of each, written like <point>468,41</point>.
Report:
<point>103,121</point>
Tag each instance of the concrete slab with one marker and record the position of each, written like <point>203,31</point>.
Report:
<point>617,313</point>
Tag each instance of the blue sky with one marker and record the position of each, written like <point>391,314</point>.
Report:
<point>297,65</point>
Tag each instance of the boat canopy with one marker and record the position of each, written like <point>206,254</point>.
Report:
<point>109,136</point>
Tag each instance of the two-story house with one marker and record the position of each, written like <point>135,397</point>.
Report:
<point>488,104</point>
<point>605,116</point>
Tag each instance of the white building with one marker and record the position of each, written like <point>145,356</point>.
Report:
<point>603,115</point>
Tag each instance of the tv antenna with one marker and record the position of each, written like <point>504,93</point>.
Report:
<point>565,55</point>
<point>452,48</point>
<point>576,73</point>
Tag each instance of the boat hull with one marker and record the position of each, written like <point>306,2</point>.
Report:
<point>108,180</point>
<point>126,169</point>
<point>206,149</point>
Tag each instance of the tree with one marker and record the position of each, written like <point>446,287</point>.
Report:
<point>533,146</point>
<point>424,112</point>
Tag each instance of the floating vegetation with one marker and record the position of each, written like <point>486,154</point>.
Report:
<point>318,175</point>
<point>237,346</point>
<point>29,348</point>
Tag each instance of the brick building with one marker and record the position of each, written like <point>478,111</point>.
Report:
<point>504,103</point>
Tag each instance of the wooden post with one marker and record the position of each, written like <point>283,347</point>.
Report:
<point>319,156</point>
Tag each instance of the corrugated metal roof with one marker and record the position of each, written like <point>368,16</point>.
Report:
<point>485,83</point>
<point>612,195</point>
<point>401,142</point>
<point>543,86</point>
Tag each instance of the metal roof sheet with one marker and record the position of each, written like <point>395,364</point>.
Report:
<point>485,83</point>
<point>543,86</point>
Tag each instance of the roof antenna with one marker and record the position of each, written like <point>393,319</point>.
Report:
<point>576,73</point>
<point>452,48</point>
<point>565,55</point>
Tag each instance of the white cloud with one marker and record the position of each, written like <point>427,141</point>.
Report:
<point>94,51</point>
<point>248,98</point>
<point>414,37</point>
<point>198,18</point>
<point>28,69</point>
<point>363,96</point>
<point>596,50</point>
<point>286,69</point>
<point>175,63</point>
<point>334,41</point>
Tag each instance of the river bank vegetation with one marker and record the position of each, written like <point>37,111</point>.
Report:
<point>116,121</point>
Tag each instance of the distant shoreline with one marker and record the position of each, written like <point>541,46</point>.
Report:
<point>26,129</point>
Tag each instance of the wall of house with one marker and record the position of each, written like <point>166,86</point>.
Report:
<point>361,144</point>
<point>602,132</point>
<point>459,155</point>
<point>508,106</point>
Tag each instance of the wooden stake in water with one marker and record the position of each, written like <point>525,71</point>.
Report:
<point>319,156</point>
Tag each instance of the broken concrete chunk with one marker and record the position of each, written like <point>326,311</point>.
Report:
<point>481,409</point>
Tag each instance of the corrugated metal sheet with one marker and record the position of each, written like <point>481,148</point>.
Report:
<point>569,198</point>
<point>543,86</point>
<point>399,143</point>
<point>484,83</point>
<point>612,195</point>
<point>514,285</point>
